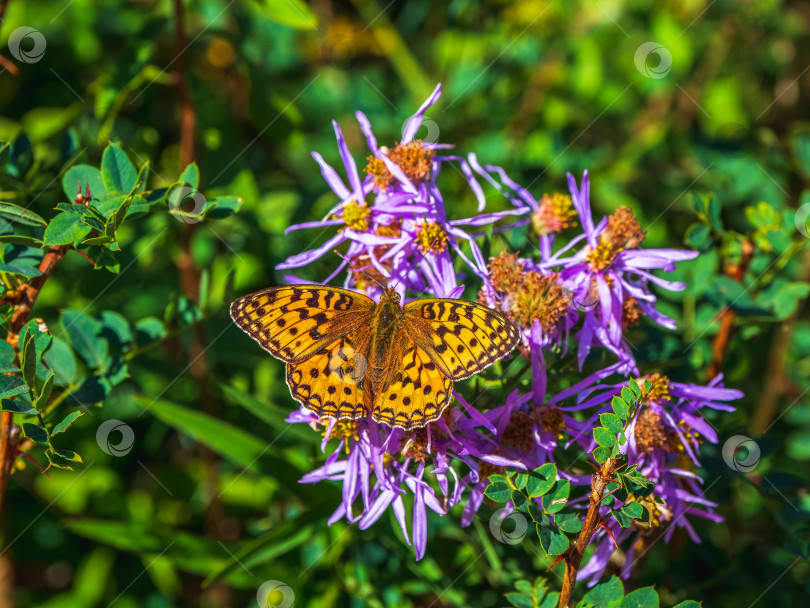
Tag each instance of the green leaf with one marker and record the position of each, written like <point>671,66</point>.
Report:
<point>35,433</point>
<point>607,594</point>
<point>65,228</point>
<point>293,13</point>
<point>627,395</point>
<point>611,422</point>
<point>537,514</point>
<point>20,239</point>
<point>620,407</point>
<point>66,423</point>
<point>29,360</point>
<point>86,176</point>
<point>59,357</point>
<point>604,437</point>
<point>520,501</point>
<point>20,215</point>
<point>241,448</point>
<point>117,170</point>
<point>634,387</point>
<point>191,176</point>
<point>697,235</point>
<point>688,604</point>
<point>555,500</point>
<point>84,335</point>
<point>222,207</point>
<point>553,541</point>
<point>624,521</point>
<point>541,480</point>
<point>11,386</point>
<point>646,597</point>
<point>633,509</point>
<point>568,522</point>
<point>45,393</point>
<point>498,491</point>
<point>16,406</point>
<point>270,545</point>
<point>68,455</point>
<point>601,454</point>
<point>519,600</point>
<point>274,416</point>
<point>520,480</point>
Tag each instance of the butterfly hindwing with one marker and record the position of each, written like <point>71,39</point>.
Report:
<point>295,322</point>
<point>330,383</point>
<point>462,338</point>
<point>417,393</point>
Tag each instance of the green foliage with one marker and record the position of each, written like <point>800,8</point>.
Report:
<point>711,151</point>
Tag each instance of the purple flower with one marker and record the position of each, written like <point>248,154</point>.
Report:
<point>380,467</point>
<point>609,276</point>
<point>404,237</point>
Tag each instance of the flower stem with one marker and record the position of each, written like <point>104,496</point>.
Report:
<point>573,557</point>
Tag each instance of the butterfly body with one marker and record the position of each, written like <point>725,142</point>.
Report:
<point>349,357</point>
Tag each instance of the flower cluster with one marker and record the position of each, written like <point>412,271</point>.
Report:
<point>579,285</point>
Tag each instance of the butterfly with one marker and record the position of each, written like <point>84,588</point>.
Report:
<point>348,356</point>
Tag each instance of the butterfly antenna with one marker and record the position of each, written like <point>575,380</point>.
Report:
<point>353,267</point>
<point>422,257</point>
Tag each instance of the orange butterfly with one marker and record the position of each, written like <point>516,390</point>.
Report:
<point>347,356</point>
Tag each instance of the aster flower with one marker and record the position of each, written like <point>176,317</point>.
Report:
<point>663,439</point>
<point>608,271</point>
<point>380,467</point>
<point>406,224</point>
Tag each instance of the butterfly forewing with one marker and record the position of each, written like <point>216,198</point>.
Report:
<point>293,323</point>
<point>462,338</point>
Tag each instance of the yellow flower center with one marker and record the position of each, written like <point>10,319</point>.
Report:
<point>430,237</point>
<point>601,256</point>
<point>659,392</point>
<point>554,213</point>
<point>355,216</point>
<point>342,429</point>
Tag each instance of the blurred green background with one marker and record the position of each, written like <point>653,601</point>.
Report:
<point>541,88</point>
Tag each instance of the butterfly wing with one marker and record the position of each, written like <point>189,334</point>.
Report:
<point>293,323</point>
<point>330,383</point>
<point>417,391</point>
<point>461,338</point>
